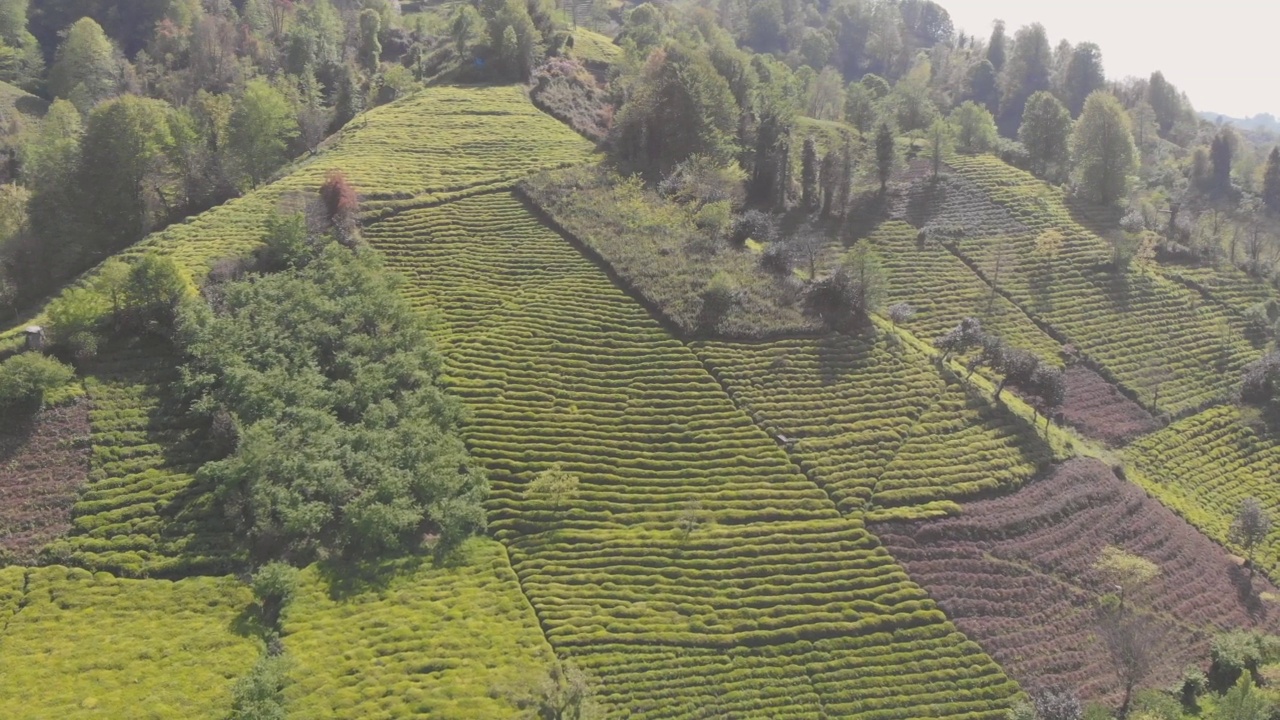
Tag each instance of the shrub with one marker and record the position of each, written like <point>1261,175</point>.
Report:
<point>339,197</point>
<point>75,318</point>
<point>755,225</point>
<point>778,259</point>
<point>718,297</point>
<point>274,584</point>
<point>25,378</point>
<point>260,694</point>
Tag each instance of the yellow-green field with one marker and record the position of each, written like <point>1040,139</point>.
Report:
<point>456,642</point>
<point>86,645</point>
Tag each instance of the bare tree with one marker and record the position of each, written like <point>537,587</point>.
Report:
<point>1133,642</point>
<point>1250,527</point>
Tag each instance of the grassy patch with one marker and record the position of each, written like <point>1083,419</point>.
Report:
<point>448,642</point>
<point>91,646</point>
<point>657,250</point>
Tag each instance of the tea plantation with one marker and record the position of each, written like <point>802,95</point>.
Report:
<point>454,642</point>
<point>1205,465</point>
<point>76,644</point>
<point>875,423</point>
<point>479,138</point>
<point>691,533</point>
<point>711,556</point>
<point>1108,316</point>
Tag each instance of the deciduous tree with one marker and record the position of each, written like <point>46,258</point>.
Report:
<point>1102,152</point>
<point>1045,131</point>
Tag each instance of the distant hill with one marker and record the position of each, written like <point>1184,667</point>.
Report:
<point>1265,121</point>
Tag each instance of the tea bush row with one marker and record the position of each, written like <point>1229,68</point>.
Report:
<point>1195,357</point>
<point>436,144</point>
<point>455,641</point>
<point>142,512</point>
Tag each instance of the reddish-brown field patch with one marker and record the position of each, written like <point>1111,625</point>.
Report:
<point>1099,411</point>
<point>43,463</point>
<point>1016,575</point>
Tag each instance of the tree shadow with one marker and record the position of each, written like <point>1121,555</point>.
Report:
<point>1249,596</point>
<point>347,577</point>
<point>924,200</point>
<point>191,519</point>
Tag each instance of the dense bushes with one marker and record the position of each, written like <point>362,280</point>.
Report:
<point>25,378</point>
<point>346,445</point>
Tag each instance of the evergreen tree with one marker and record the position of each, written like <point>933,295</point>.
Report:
<point>809,174</point>
<point>1102,151</point>
<point>1271,181</point>
<point>1165,101</point>
<point>886,154</point>
<point>370,50</point>
<point>1084,75</point>
<point>1221,152</point>
<point>997,49</point>
<point>981,85</point>
<point>1027,72</point>
<point>1046,127</point>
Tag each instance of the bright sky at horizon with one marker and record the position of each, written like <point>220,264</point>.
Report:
<point>1222,54</point>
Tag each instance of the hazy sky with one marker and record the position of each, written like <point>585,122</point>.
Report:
<point>1224,54</point>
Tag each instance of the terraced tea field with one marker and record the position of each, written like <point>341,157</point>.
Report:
<point>875,424</point>
<point>1205,465</point>
<point>1016,574</point>
<point>88,645</point>
<point>943,290</point>
<point>691,533</point>
<point>455,642</point>
<point>478,138</point>
<point>141,512</point>
<point>1107,316</point>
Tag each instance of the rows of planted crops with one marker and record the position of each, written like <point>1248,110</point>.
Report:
<point>1195,356</point>
<point>453,642</point>
<point>1205,465</point>
<point>691,534</point>
<point>1017,573</point>
<point>943,291</point>
<point>84,645</point>
<point>875,424</point>
<point>141,511</point>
